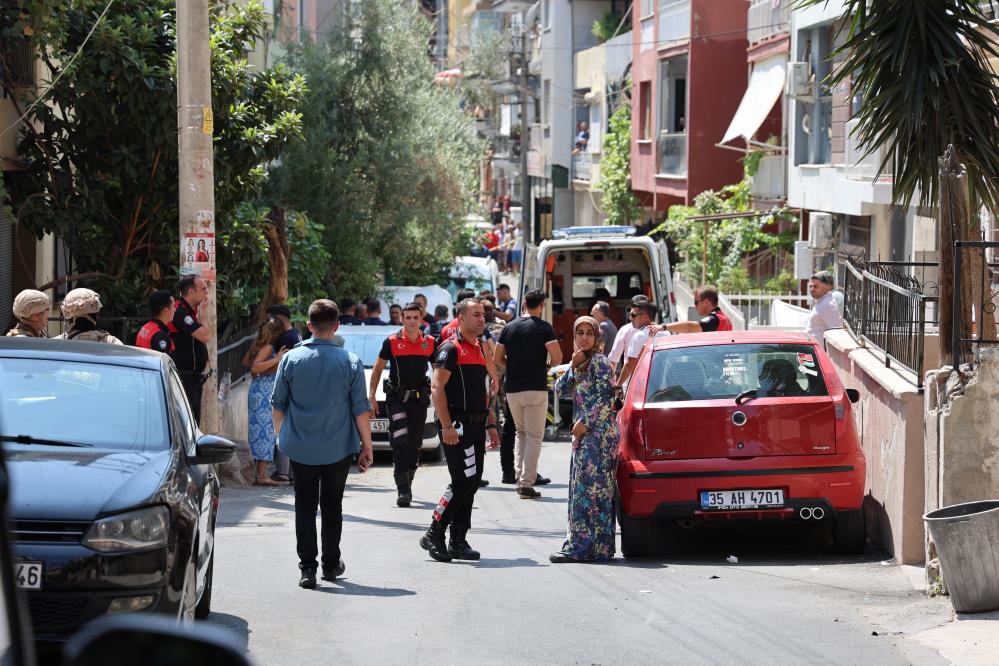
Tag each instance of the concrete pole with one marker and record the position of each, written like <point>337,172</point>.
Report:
<point>197,179</point>
<point>527,215</point>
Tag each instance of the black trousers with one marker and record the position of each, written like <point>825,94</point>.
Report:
<point>192,387</point>
<point>319,487</point>
<point>406,422</point>
<point>464,462</point>
<point>507,441</point>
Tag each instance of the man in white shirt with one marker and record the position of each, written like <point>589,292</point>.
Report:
<point>623,337</point>
<point>825,315</point>
<point>641,320</point>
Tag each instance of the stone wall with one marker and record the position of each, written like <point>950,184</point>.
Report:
<point>234,425</point>
<point>889,420</point>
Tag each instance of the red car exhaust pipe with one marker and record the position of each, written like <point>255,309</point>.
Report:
<point>805,513</point>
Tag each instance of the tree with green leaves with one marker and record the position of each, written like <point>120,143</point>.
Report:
<point>931,99</point>
<point>99,152</point>
<point>618,201</point>
<point>388,160</point>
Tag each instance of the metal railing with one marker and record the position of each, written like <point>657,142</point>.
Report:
<point>978,307</point>
<point>885,307</point>
<point>756,308</point>
<point>673,154</point>
<point>17,61</point>
<point>581,163</point>
<point>765,20</point>
<point>234,342</point>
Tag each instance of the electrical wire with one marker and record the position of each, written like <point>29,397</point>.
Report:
<point>38,100</point>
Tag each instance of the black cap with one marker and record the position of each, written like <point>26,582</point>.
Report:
<point>279,309</point>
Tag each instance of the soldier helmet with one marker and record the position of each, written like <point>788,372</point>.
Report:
<point>29,303</point>
<point>80,303</point>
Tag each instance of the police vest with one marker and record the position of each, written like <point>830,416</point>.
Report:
<point>145,337</point>
<point>724,323</point>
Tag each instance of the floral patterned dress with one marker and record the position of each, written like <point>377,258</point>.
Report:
<point>262,437</point>
<point>592,471</point>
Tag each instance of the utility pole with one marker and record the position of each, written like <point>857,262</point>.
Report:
<point>195,122</point>
<point>525,180</point>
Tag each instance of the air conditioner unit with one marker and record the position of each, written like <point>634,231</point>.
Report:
<point>804,264</point>
<point>798,80</point>
<point>820,231</point>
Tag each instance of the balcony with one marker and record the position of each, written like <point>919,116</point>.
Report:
<point>16,56</point>
<point>770,181</point>
<point>765,20</point>
<point>673,155</point>
<point>581,165</point>
<point>674,21</point>
<point>861,167</point>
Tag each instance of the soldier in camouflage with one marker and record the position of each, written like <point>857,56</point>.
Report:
<point>31,309</point>
<point>80,307</point>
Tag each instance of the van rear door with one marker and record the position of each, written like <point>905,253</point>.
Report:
<point>666,283</point>
<point>531,273</point>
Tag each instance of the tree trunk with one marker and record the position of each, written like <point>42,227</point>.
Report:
<point>952,177</point>
<point>277,257</point>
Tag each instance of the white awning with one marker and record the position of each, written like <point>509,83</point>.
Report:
<point>766,83</point>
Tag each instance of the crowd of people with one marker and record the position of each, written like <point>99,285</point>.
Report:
<point>504,242</point>
<point>488,364</point>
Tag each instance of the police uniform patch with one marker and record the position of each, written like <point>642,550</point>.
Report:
<point>442,357</point>
<point>163,344</point>
<point>189,320</point>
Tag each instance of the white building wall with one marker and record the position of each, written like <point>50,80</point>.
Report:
<point>556,68</point>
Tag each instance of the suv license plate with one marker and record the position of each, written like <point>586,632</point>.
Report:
<point>29,575</point>
<point>379,425</point>
<point>741,499</point>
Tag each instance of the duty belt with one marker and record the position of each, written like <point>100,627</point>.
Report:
<point>471,418</point>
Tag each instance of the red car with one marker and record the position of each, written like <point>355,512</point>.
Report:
<point>736,425</point>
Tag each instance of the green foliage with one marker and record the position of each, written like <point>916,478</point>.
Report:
<point>922,68</point>
<point>388,159</point>
<point>782,283</point>
<point>619,203</point>
<point>729,241</point>
<point>607,28</point>
<point>101,151</point>
<point>244,285</point>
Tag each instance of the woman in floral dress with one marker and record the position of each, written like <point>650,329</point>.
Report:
<point>262,362</point>
<point>592,481</point>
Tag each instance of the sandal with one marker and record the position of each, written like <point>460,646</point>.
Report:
<point>265,482</point>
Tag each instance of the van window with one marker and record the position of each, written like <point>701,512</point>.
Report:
<point>619,285</point>
<point>725,371</point>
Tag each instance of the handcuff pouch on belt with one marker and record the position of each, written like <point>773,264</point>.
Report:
<point>397,392</point>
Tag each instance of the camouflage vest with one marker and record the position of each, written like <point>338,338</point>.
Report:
<point>95,335</point>
<point>23,331</point>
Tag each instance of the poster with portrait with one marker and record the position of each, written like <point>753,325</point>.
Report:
<point>197,246</point>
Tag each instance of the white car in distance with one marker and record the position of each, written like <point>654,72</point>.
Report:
<point>366,342</point>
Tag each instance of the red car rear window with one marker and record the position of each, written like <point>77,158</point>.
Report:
<point>725,371</point>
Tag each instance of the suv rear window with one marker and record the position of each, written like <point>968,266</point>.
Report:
<point>725,371</point>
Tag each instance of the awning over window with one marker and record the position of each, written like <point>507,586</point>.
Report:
<point>765,86</point>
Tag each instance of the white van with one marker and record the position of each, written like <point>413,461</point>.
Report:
<point>580,260</point>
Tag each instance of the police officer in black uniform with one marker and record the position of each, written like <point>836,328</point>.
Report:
<point>407,396</point>
<point>461,400</point>
<point>190,340</point>
<point>155,334</point>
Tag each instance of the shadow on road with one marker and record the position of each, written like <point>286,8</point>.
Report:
<point>235,625</point>
<point>344,586</point>
<point>495,563</point>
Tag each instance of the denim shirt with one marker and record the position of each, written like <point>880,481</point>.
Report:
<point>320,388</point>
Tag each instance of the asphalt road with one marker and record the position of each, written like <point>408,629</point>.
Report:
<point>787,600</point>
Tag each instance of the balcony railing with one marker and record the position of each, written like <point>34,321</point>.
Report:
<point>770,181</point>
<point>674,20</point>
<point>765,20</point>
<point>581,163</point>
<point>673,154</point>
<point>860,166</point>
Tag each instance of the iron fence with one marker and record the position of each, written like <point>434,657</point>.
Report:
<point>234,342</point>
<point>976,328</point>
<point>885,306</point>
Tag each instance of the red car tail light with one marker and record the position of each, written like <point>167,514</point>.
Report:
<point>637,430</point>
<point>841,415</point>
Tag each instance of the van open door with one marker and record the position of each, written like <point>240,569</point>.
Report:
<point>666,284</point>
<point>532,274</point>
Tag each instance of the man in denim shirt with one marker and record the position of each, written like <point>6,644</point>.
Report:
<point>320,412</point>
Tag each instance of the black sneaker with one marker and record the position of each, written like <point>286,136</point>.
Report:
<point>542,481</point>
<point>333,575</point>
<point>308,579</point>
<point>528,493</point>
<point>509,479</point>
<point>404,499</point>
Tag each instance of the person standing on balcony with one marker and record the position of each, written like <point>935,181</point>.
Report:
<point>825,314</point>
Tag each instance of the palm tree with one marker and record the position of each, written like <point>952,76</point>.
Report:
<point>922,67</point>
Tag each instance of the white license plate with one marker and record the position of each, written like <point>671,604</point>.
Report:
<point>29,575</point>
<point>741,499</point>
<point>379,425</point>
